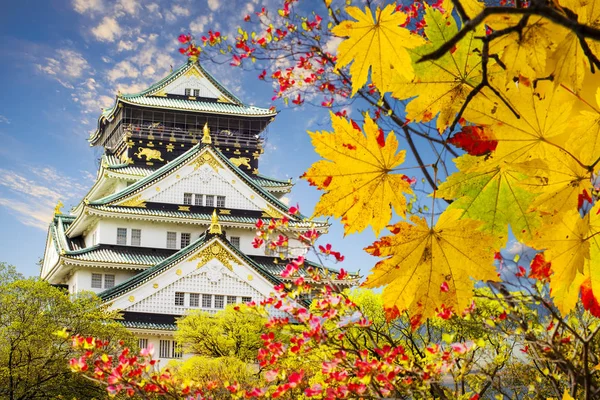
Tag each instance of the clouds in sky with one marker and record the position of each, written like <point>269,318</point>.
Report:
<point>32,193</point>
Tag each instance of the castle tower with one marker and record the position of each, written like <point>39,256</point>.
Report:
<point>168,225</point>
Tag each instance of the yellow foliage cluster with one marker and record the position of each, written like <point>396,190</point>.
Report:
<point>529,80</point>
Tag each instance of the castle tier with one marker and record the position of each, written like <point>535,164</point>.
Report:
<point>168,225</point>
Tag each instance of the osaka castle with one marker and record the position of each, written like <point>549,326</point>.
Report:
<point>168,225</point>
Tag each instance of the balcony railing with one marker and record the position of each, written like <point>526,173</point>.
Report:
<point>220,137</point>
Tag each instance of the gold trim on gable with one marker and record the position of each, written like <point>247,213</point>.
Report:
<point>193,72</point>
<point>272,212</point>
<point>206,158</point>
<point>215,250</point>
<point>135,201</point>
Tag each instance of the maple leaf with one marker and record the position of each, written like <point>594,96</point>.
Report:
<point>377,43</point>
<point>475,140</point>
<point>569,62</point>
<point>420,260</point>
<point>538,131</point>
<point>589,301</point>
<point>356,175</point>
<point>572,246</point>
<point>584,141</point>
<point>493,193</point>
<point>524,52</point>
<point>441,86</point>
<point>560,185</point>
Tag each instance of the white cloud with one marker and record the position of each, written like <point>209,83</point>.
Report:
<point>153,8</point>
<point>91,6</point>
<point>332,44</point>
<point>91,102</point>
<point>108,30</point>
<point>125,45</point>
<point>66,67</point>
<point>214,4</point>
<point>285,200</point>
<point>129,6</point>
<point>32,199</point>
<point>199,24</point>
<point>180,11</point>
<point>4,120</point>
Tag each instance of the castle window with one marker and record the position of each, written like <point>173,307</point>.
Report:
<point>219,301</point>
<point>231,300</point>
<point>179,298</point>
<point>210,201</point>
<point>196,92</point>
<point>206,301</point>
<point>171,240</point>
<point>221,201</point>
<point>235,241</point>
<point>109,281</point>
<point>194,300</point>
<point>97,281</point>
<point>188,91</point>
<point>136,237</point>
<point>246,299</point>
<point>198,200</point>
<point>142,343</point>
<point>122,236</point>
<point>185,239</point>
<point>169,349</point>
<point>187,199</point>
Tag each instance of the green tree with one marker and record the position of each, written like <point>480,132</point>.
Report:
<point>228,333</point>
<point>33,354</point>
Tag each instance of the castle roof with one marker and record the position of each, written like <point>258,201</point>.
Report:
<point>214,98</point>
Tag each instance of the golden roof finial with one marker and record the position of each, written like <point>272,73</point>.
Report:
<point>57,209</point>
<point>206,134</point>
<point>215,227</point>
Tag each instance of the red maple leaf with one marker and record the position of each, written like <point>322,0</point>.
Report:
<point>540,268</point>
<point>475,140</point>
<point>588,300</point>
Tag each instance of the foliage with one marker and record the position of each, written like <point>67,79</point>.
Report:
<point>229,333</point>
<point>33,359</point>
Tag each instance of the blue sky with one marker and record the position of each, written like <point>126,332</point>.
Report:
<point>66,59</point>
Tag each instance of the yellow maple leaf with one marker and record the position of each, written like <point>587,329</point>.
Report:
<point>584,141</point>
<point>425,268</point>
<point>357,175</point>
<point>540,129</point>
<point>377,43</point>
<point>559,185</point>
<point>523,53</point>
<point>568,63</point>
<point>441,86</point>
<point>567,240</point>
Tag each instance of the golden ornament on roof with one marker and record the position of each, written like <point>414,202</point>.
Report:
<point>58,208</point>
<point>206,134</point>
<point>215,227</point>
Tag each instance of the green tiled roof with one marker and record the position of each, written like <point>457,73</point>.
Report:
<point>192,216</point>
<point>150,273</point>
<point>183,68</point>
<point>120,255</point>
<point>266,181</point>
<point>148,325</point>
<point>145,98</point>
<point>194,105</point>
